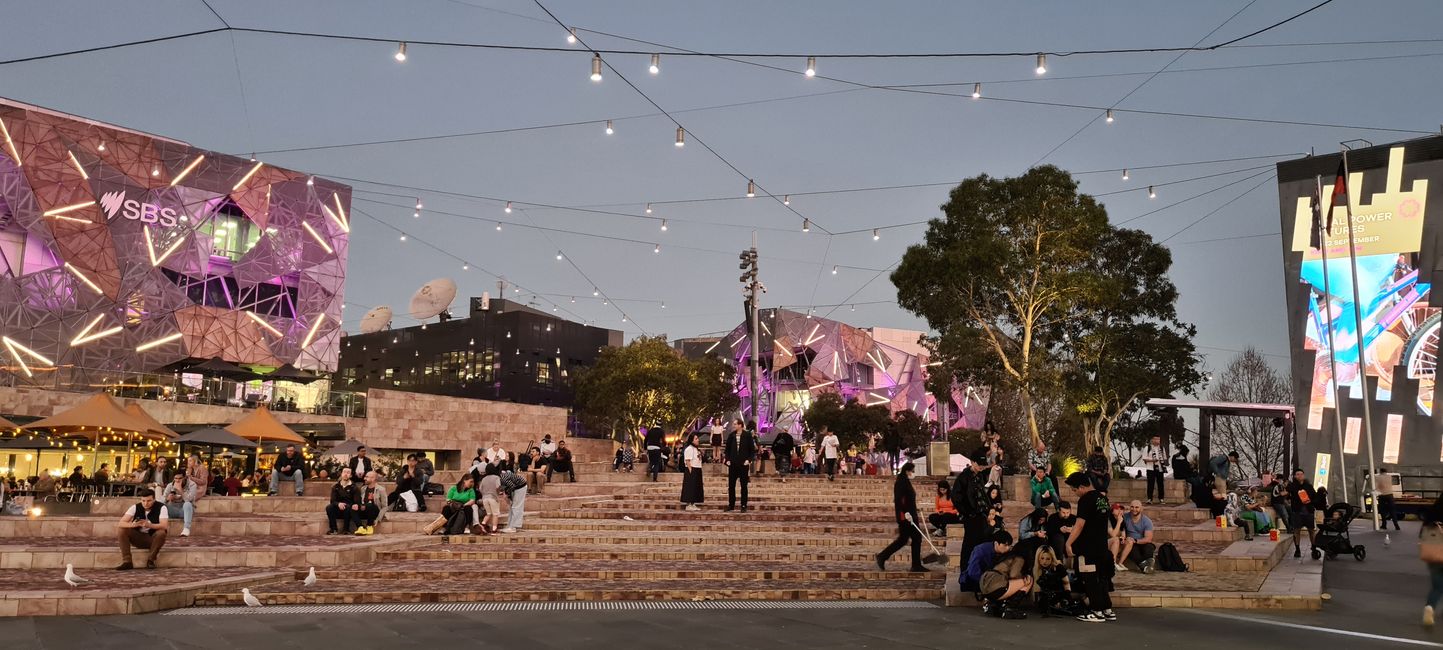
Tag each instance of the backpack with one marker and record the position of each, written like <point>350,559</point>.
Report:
<point>1168,559</point>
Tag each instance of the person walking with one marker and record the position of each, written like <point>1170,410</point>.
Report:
<point>1430,550</point>
<point>1387,507</point>
<point>1088,543</point>
<point>782,448</point>
<point>691,482</point>
<point>830,452</point>
<point>904,507</point>
<point>654,441</point>
<point>740,453</point>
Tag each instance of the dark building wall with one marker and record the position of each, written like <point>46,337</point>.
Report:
<point>508,352</point>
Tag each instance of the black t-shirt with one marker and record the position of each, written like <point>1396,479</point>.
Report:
<point>1094,509</point>
<point>1055,523</point>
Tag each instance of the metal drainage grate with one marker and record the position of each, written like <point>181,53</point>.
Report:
<point>557,606</point>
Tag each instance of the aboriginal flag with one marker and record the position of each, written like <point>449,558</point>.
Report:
<point>1340,192</point>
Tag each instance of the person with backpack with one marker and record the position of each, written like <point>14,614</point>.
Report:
<point>782,448</point>
<point>1182,470</point>
<point>654,442</point>
<point>969,496</point>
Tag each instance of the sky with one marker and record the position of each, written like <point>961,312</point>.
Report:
<point>243,92</point>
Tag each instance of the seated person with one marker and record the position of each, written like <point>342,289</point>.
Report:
<point>532,463</point>
<point>179,499</point>
<point>462,512</point>
<point>344,505</point>
<point>561,462</point>
<point>144,525</point>
<point>77,478</point>
<point>945,513</point>
<point>1059,526</point>
<point>1033,526</point>
<point>45,486</point>
<point>1051,588</point>
<point>372,499</point>
<point>233,485</point>
<point>1137,544</point>
<point>289,465</point>
<point>1043,494</point>
<point>1252,517</point>
<point>625,459</point>
<point>982,559</point>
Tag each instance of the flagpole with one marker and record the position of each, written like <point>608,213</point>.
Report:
<point>1332,347</point>
<point>1358,321</point>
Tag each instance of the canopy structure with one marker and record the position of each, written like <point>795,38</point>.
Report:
<point>262,425</point>
<point>347,448</point>
<point>27,440</point>
<point>1209,410</point>
<point>155,425</point>
<point>100,417</point>
<point>213,437</point>
<point>290,373</point>
<point>219,367</point>
<point>6,425</point>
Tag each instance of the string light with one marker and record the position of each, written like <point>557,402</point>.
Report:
<point>806,225</point>
<point>787,199</point>
<point>876,234</point>
<point>977,91</point>
<point>751,188</point>
<point>311,181</point>
<point>811,66</point>
<point>609,129</point>
<point>558,255</point>
<point>498,226</point>
<point>680,137</point>
<point>416,214</point>
<point>656,249</point>
<point>655,64</point>
<point>1150,193</point>
<point>508,207</point>
<point>102,146</point>
<point>648,208</point>
<point>834,269</point>
<point>663,304</point>
<point>1042,64</point>
<point>403,238</point>
<point>571,35</point>
<point>596,67</point>
<point>401,52</point>
<point>465,267</point>
<point>595,292</point>
<point>573,299</point>
<point>1109,116</point>
<point>1124,173</point>
<point>419,205</point>
<point>663,225</point>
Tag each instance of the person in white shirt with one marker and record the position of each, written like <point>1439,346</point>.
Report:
<point>809,460</point>
<point>548,448</point>
<point>691,484</point>
<point>495,454</point>
<point>830,449</point>
<point>1156,457</point>
<point>144,525</point>
<point>717,431</point>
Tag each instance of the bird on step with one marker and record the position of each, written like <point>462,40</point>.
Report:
<point>250,601</point>
<point>72,579</point>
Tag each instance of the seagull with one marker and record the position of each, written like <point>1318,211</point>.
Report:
<point>1387,539</point>
<point>311,578</point>
<point>72,579</point>
<point>251,601</point>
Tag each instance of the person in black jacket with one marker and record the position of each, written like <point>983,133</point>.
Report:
<point>345,505</point>
<point>782,448</point>
<point>904,506</point>
<point>654,442</point>
<point>360,464</point>
<point>969,496</point>
<point>741,452</point>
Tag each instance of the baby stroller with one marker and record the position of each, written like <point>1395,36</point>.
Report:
<point>1333,539</point>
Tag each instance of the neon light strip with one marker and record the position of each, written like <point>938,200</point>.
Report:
<point>823,385</point>
<point>738,341</point>
<point>764,326</point>
<point>812,333</point>
<point>85,336</point>
<point>77,166</point>
<point>158,342</point>
<point>345,227</point>
<point>317,236</point>
<point>785,351</point>
<point>713,346</point>
<point>69,208</point>
<point>14,153</point>
<point>190,168</point>
<point>262,322</point>
<point>306,342</point>
<point>76,272</point>
<point>15,351</point>
<point>882,400</point>
<point>340,210</point>
<point>248,176</point>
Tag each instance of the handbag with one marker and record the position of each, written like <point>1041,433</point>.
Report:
<point>409,500</point>
<point>1430,544</point>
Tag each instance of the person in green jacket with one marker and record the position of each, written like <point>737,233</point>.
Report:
<point>1043,494</point>
<point>460,511</point>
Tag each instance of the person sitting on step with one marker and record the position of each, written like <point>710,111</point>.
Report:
<point>179,499</point>
<point>561,462</point>
<point>145,525</point>
<point>1137,541</point>
<point>1033,526</point>
<point>292,466</point>
<point>461,512</point>
<point>1059,526</point>
<point>372,499</point>
<point>943,513</point>
<point>625,459</point>
<point>344,506</point>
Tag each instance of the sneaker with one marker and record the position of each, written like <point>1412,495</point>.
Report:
<point>150,565</point>
<point>1092,617</point>
<point>881,563</point>
<point>1297,553</point>
<point>1109,615</point>
<point>744,508</point>
<point>508,530</point>
<point>1147,566</point>
<point>1428,616</point>
<point>693,507</point>
<point>185,532</point>
<point>271,493</point>
<point>126,566</point>
<point>1120,568</point>
<point>330,532</point>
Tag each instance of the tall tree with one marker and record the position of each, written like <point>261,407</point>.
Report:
<point>1258,441</point>
<point>648,383</point>
<point>1005,266</point>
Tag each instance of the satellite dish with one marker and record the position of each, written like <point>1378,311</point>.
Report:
<point>379,318</point>
<point>433,298</point>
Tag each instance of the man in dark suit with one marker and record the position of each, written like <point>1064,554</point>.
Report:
<point>741,452</point>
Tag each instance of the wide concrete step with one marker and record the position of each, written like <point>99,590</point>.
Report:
<point>599,570</point>
<point>860,557</point>
<point>646,538</point>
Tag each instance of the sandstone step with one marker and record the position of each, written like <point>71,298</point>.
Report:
<point>417,591</point>
<point>838,510</point>
<point>856,557</point>
<point>615,539</point>
<point>597,570</point>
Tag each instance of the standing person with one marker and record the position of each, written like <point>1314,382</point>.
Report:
<point>514,487</point>
<point>691,483</point>
<point>144,525</point>
<point>292,466</point>
<point>1154,457</point>
<point>361,464</point>
<point>1222,469</point>
<point>1099,470</point>
<point>654,441</point>
<point>809,459</point>
<point>969,495</point>
<point>717,432</point>
<point>344,505</point>
<point>741,451</point>
<point>1278,496</point>
<point>830,452</point>
<point>1088,543</point>
<point>904,507</point>
<point>994,461</point>
<point>1301,501</point>
<point>782,453</point>
<point>1430,549</point>
<point>1387,509</point>
<point>759,464</point>
<point>490,488</point>
<point>179,499</point>
<point>1182,470</point>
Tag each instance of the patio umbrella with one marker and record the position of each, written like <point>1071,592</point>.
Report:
<point>155,425</point>
<point>347,448</point>
<point>291,373</point>
<point>262,425</point>
<point>100,415</point>
<point>213,437</point>
<point>218,367</point>
<point>6,425</point>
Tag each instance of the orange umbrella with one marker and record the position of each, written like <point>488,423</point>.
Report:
<point>97,416</point>
<point>8,425</point>
<point>155,425</point>
<point>262,425</point>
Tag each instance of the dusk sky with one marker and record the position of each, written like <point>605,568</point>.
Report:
<point>265,93</point>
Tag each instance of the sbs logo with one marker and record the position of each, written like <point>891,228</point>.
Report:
<point>115,204</point>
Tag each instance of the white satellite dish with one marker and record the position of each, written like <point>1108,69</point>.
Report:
<point>433,298</point>
<point>379,318</point>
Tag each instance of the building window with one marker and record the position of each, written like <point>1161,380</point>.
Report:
<point>543,372</point>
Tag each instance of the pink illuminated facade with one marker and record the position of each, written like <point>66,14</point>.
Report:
<point>123,251</point>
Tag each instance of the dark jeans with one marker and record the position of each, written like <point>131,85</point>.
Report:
<point>1435,590</point>
<point>831,464</point>
<point>941,520</point>
<point>1156,476</point>
<point>653,462</point>
<point>1387,510</point>
<point>347,517</point>
<point>564,468</point>
<point>736,473</point>
<point>906,533</point>
<point>1141,553</point>
<point>368,514</point>
<point>1097,589</point>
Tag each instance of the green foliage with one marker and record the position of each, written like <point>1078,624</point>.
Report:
<point>851,421</point>
<point>907,430</point>
<point>647,383</point>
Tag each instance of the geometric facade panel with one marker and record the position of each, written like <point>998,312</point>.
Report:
<point>125,251</point>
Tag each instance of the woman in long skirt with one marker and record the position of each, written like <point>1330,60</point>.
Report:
<point>691,484</point>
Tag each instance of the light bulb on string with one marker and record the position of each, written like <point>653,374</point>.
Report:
<point>596,67</point>
<point>508,207</point>
<point>811,70</point>
<point>656,249</point>
<point>310,182</point>
<point>1109,116</point>
<point>876,234</point>
<point>977,91</point>
<point>655,64</point>
<point>663,225</point>
<point>648,208</point>
<point>751,188</point>
<point>786,199</point>
<point>498,226</point>
<point>1041,64</point>
<point>595,292</point>
<point>465,267</point>
<point>401,52</point>
<point>419,205</point>
<point>663,304</point>
<point>403,238</point>
<point>416,214</point>
<point>1124,173</point>
<point>1150,193</point>
<point>558,255</point>
<point>806,225</point>
<point>573,299</point>
<point>571,35</point>
<point>680,137</point>
<point>102,146</point>
<point>834,269</point>
<point>609,129</point>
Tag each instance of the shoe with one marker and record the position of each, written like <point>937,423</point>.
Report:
<point>271,493</point>
<point>508,530</point>
<point>1120,568</point>
<point>744,508</point>
<point>331,532</point>
<point>125,566</point>
<point>1092,617</point>
<point>150,565</point>
<point>300,494</point>
<point>1012,613</point>
<point>1147,567</point>
<point>992,608</point>
<point>1107,614</point>
<point>476,529</point>
<point>1428,615</point>
<point>919,569</point>
<point>1148,502</point>
<point>1297,553</point>
<point>881,564</point>
<point>729,509</point>
<point>693,507</point>
<point>185,532</point>
<point>1247,538</point>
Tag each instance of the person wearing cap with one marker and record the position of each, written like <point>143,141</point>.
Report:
<point>904,507</point>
